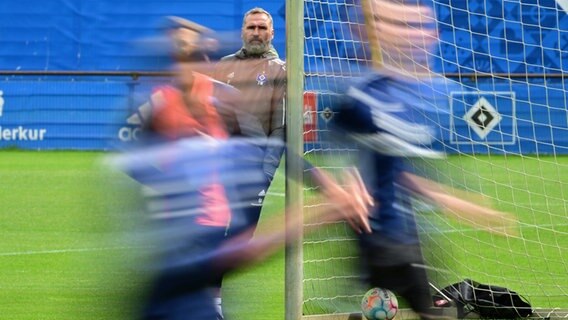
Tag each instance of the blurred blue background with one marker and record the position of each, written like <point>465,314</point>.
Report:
<point>98,34</point>
<point>486,36</point>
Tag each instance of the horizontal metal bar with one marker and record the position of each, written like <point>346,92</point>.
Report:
<point>137,74</point>
<point>132,74</point>
<point>506,75</point>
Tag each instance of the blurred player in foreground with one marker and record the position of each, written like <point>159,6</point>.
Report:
<point>386,116</point>
<point>190,190</point>
<point>190,173</point>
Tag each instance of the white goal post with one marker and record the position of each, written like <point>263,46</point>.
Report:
<point>504,127</point>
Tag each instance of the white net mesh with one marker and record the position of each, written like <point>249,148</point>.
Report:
<point>504,127</point>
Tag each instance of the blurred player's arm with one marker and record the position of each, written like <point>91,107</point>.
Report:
<point>458,207</point>
<point>360,200</point>
<point>327,185</point>
<point>339,204</point>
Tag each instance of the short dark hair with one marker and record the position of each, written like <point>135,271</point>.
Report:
<point>258,10</point>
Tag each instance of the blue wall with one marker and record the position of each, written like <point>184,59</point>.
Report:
<point>103,35</point>
<point>502,36</point>
<point>100,34</point>
<point>477,36</point>
<point>529,122</point>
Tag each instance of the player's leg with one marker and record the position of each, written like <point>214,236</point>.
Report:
<point>399,268</point>
<point>252,199</point>
<point>408,281</point>
<point>183,272</point>
<point>248,198</point>
<point>197,305</point>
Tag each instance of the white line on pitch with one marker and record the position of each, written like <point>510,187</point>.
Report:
<point>24,253</point>
<point>546,227</point>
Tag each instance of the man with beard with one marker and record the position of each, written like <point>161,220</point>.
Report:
<point>260,75</point>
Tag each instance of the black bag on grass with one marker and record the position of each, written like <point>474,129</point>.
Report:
<point>487,301</point>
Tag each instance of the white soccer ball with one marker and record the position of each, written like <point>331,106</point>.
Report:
<point>379,304</point>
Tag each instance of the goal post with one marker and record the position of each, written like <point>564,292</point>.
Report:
<point>503,123</point>
<point>295,146</point>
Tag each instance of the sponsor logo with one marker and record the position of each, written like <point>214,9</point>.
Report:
<point>230,77</point>
<point>18,133</point>
<point>310,116</point>
<point>134,122</point>
<point>132,129</point>
<point>21,134</point>
<point>261,79</point>
<point>260,199</point>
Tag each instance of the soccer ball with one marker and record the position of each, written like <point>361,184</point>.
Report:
<point>379,304</point>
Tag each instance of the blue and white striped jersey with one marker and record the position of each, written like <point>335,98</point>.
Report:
<point>388,121</point>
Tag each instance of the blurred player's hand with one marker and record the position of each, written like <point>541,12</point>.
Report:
<point>362,200</point>
<point>350,202</point>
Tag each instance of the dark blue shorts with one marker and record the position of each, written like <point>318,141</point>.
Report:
<point>196,305</point>
<point>182,275</point>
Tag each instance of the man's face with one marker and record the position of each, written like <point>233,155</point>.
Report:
<point>257,33</point>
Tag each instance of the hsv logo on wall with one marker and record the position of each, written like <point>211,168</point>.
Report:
<point>61,114</point>
<point>483,118</point>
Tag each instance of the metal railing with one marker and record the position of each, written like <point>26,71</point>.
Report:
<point>137,74</point>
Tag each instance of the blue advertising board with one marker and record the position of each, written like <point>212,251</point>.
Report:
<point>520,118</point>
<point>508,117</point>
<point>494,114</point>
<point>80,115</point>
<point>482,117</point>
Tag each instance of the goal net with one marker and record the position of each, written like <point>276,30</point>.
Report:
<point>503,123</point>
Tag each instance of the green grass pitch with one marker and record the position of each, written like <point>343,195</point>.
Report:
<point>64,254</point>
